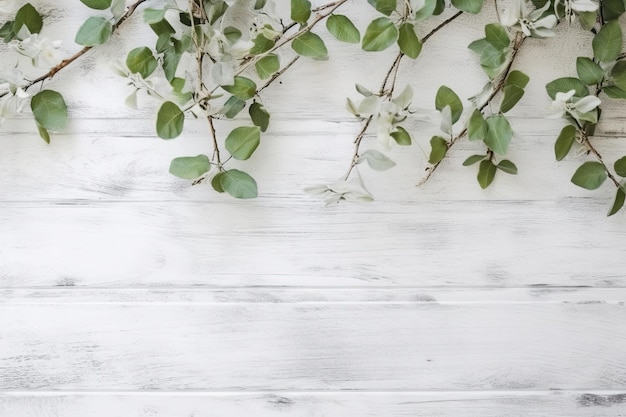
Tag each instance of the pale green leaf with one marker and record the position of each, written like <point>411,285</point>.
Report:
<point>607,44</point>
<point>300,10</point>
<point>439,148</point>
<point>563,85</point>
<point>476,126</point>
<point>50,110</point>
<point>259,116</point>
<point>473,159</point>
<point>97,4</point>
<point>507,166</point>
<point>564,142</point>
<point>238,184</point>
<point>242,141</point>
<point>232,107</point>
<point>409,43</point>
<point>468,6</point>
<point>376,160</point>
<point>446,97</point>
<point>151,15</point>
<point>386,7</point>
<point>588,71</point>
<point>267,66</point>
<point>244,88</point>
<point>590,175</point>
<point>380,34</point>
<point>190,167</point>
<point>499,134</point>
<point>512,95</point>
<point>310,45</point>
<point>261,44</point>
<point>497,35</point>
<point>95,31</point>
<point>141,60</point>
<point>342,28</point>
<point>517,78</point>
<point>170,120</point>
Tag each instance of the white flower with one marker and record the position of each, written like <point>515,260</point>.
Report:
<point>341,190</point>
<point>530,23</point>
<point>13,95</point>
<point>577,6</point>
<point>40,49</point>
<point>581,109</point>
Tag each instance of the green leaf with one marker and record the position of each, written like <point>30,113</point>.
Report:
<point>611,9</point>
<point>232,107</point>
<point>171,59</point>
<point>620,166</point>
<point>6,32</point>
<point>310,45</point>
<point>342,28</point>
<point>380,34</point>
<point>244,88</point>
<point>490,57</point>
<point>190,167</point>
<point>409,43</point>
<point>300,11</point>
<point>427,10</point>
<point>607,44</point>
<point>499,134</point>
<point>376,160</point>
<point>238,184</point>
<point>267,66</point>
<point>170,120</point>
<point>497,35</point>
<point>614,92</point>
<point>216,182</point>
<point>618,203</point>
<point>43,132</point>
<point>162,27</point>
<point>97,4</point>
<point>259,4</point>
<point>590,175</point>
<point>95,31</point>
<point>473,159</point>
<point>507,166</point>
<point>588,71</point>
<point>564,142</point>
<point>486,173</point>
<point>259,116</point>
<point>563,85</point>
<point>50,110</point>
<point>477,127</point>
<point>512,95</point>
<point>439,148</point>
<point>517,78</point>
<point>401,136</point>
<point>242,141</point>
<point>141,60</point>
<point>261,44</point>
<point>28,16</point>
<point>446,97</point>
<point>588,19</point>
<point>232,34</point>
<point>151,15</point>
<point>468,6</point>
<point>386,7</point>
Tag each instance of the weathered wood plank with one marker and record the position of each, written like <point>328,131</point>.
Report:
<point>411,346</point>
<point>275,242</point>
<point>274,404</point>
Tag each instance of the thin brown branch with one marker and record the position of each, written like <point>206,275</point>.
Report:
<point>441,26</point>
<point>278,74</point>
<point>216,148</point>
<point>587,143</point>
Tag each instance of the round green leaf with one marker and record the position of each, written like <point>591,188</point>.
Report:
<point>512,95</point>
<point>401,136</point>
<point>343,29</point>
<point>238,184</point>
<point>386,7</point>
<point>468,6</point>
<point>620,166</point>
<point>486,173</point>
<point>267,66</point>
<point>507,166</point>
<point>565,84</point>
<point>476,126</point>
<point>50,110</point>
<point>618,203</point>
<point>261,44</point>
<point>141,60</point>
<point>95,31</point>
<point>170,120</point>
<point>216,182</point>
<point>590,175</point>
<point>409,43</point>
<point>310,45</point>
<point>497,35</point>
<point>517,78</point>
<point>439,148</point>
<point>97,4</point>
<point>28,16</point>
<point>152,16</point>
<point>380,34</point>
<point>300,11</point>
<point>499,134</point>
<point>232,107</point>
<point>607,44</point>
<point>259,116</point>
<point>446,97</point>
<point>588,71</point>
<point>243,88</point>
<point>564,142</point>
<point>190,167</point>
<point>242,141</point>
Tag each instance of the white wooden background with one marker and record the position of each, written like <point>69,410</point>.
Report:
<point>127,292</point>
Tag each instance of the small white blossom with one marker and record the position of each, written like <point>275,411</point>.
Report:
<point>528,21</point>
<point>40,50</point>
<point>341,190</point>
<point>576,6</point>
<point>13,99</point>
<point>580,108</point>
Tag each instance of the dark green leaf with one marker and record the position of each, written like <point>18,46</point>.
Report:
<point>190,167</point>
<point>499,134</point>
<point>242,141</point>
<point>564,142</point>
<point>588,71</point>
<point>162,27</point>
<point>497,35</point>
<point>447,97</point>
<point>611,9</point>
<point>95,31</point>
<point>261,44</point>
<point>232,107</point>
<point>486,173</point>
<point>614,92</point>
<point>473,159</point>
<point>171,59</point>
<point>563,85</point>
<point>50,110</point>
<point>477,127</point>
<point>244,88</point>
<point>512,94</point>
<point>310,45</point>
<point>170,120</point>
<point>618,74</point>
<point>620,166</point>
<point>342,28</point>
<point>259,116</point>
<point>607,44</point>
<point>590,175</point>
<point>43,133</point>
<point>28,16</point>
<point>6,32</point>
<point>468,6</point>
<point>267,66</point>
<point>517,78</point>
<point>300,11</point>
<point>141,60</point>
<point>409,43</point>
<point>238,184</point>
<point>216,182</point>
<point>401,136</point>
<point>97,4</point>
<point>215,11</point>
<point>439,148</point>
<point>618,203</point>
<point>380,34</point>
<point>259,4</point>
<point>507,166</point>
<point>386,7</point>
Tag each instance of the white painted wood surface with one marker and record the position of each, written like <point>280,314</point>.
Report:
<point>127,292</point>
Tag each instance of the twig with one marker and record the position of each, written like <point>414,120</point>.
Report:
<point>278,74</point>
<point>216,148</point>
